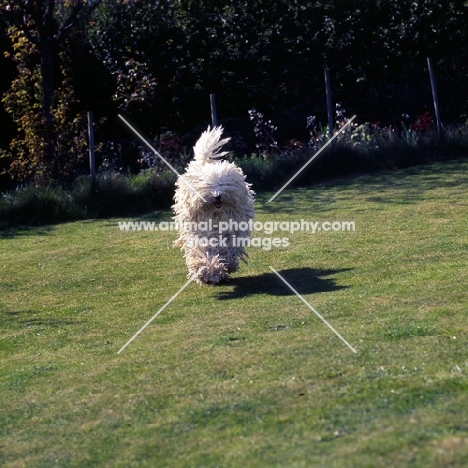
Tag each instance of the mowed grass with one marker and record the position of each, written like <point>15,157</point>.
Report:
<point>244,374</point>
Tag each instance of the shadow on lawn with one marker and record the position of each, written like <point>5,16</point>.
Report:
<point>12,232</point>
<point>28,319</point>
<point>303,280</point>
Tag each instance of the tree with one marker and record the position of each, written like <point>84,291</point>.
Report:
<point>39,29</point>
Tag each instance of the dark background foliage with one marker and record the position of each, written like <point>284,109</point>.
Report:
<point>158,61</point>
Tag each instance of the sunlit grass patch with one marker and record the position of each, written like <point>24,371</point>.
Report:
<point>244,374</point>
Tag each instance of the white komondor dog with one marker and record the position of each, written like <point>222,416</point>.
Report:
<point>213,207</point>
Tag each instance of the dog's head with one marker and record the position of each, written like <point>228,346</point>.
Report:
<point>215,191</point>
<point>223,187</point>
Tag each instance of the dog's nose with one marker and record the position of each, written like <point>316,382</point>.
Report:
<point>217,198</point>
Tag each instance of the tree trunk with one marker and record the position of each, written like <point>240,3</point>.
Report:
<point>46,46</point>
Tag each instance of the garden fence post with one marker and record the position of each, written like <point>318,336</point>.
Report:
<point>329,103</point>
<point>92,160</point>
<point>435,97</point>
<point>214,117</point>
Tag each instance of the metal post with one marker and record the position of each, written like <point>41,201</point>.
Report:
<point>435,97</point>
<point>331,125</point>
<point>214,117</point>
<point>92,160</point>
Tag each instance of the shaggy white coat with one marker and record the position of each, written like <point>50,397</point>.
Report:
<point>208,192</point>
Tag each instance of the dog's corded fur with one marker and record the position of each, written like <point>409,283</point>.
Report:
<point>214,190</point>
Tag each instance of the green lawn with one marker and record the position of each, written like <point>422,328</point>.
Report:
<point>244,374</point>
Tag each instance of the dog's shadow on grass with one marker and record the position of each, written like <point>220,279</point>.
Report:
<point>303,280</point>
